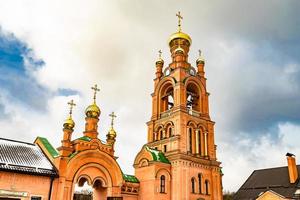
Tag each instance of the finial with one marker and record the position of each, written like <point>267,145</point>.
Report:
<point>159,54</point>
<point>72,104</point>
<point>96,89</point>
<point>113,116</point>
<point>199,53</point>
<point>179,21</point>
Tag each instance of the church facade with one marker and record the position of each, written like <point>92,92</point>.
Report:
<point>178,162</point>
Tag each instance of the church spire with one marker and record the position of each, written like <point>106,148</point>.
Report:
<point>111,135</point>
<point>66,147</point>
<point>69,123</point>
<point>92,113</point>
<point>179,44</point>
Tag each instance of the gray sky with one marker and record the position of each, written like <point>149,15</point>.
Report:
<point>252,65</point>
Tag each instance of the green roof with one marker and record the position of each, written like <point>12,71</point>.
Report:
<point>130,178</point>
<point>158,155</point>
<point>73,154</point>
<point>85,138</point>
<point>48,147</point>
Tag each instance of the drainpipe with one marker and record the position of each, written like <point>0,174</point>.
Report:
<point>50,189</point>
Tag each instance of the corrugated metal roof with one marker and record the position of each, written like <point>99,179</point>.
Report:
<point>25,158</point>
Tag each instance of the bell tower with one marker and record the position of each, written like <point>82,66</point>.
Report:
<point>180,125</point>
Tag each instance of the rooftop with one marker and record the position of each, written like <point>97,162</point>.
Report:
<point>24,157</point>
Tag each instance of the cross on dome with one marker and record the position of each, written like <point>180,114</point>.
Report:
<point>71,104</point>
<point>96,89</point>
<point>179,20</point>
<point>113,116</point>
<point>159,54</point>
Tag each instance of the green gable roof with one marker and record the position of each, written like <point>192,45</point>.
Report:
<point>85,138</point>
<point>48,147</point>
<point>130,178</point>
<point>158,155</point>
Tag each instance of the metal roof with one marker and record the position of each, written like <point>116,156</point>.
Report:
<point>24,157</point>
<point>275,179</point>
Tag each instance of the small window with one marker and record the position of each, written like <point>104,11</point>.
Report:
<point>36,198</point>
<point>165,148</point>
<point>200,183</point>
<point>193,185</point>
<point>206,187</point>
<point>155,148</point>
<point>162,184</point>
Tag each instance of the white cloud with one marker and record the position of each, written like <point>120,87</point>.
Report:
<point>114,44</point>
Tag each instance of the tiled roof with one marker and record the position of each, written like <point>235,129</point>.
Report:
<point>130,178</point>
<point>158,155</point>
<point>275,179</point>
<point>24,158</point>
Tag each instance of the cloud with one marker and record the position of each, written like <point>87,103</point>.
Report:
<point>64,47</point>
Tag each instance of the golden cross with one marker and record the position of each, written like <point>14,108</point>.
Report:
<point>113,116</point>
<point>72,104</point>
<point>159,54</point>
<point>179,20</point>
<point>96,89</point>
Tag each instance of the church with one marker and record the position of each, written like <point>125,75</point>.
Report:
<point>178,162</point>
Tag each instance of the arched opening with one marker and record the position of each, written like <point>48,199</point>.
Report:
<point>162,184</point>
<point>166,98</point>
<point>192,97</point>
<point>169,129</point>
<point>84,190</point>
<point>200,183</point>
<point>206,187</point>
<point>100,190</point>
<point>193,185</point>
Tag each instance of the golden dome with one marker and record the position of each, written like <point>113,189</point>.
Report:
<point>180,35</point>
<point>93,111</point>
<point>69,123</point>
<point>112,134</point>
<point>201,59</point>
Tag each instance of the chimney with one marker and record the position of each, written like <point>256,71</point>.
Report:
<point>292,167</point>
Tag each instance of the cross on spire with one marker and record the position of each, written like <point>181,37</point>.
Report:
<point>179,20</point>
<point>113,116</point>
<point>71,104</point>
<point>96,89</point>
<point>159,54</point>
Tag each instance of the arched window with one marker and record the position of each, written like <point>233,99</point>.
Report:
<point>162,184</point>
<point>170,131</point>
<point>206,186</point>
<point>161,136</point>
<point>167,98</point>
<point>193,185</point>
<point>190,140</point>
<point>192,97</point>
<point>200,183</point>
<point>154,136</point>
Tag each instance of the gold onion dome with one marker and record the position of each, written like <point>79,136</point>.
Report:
<point>69,123</point>
<point>112,134</point>
<point>180,35</point>
<point>93,111</point>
